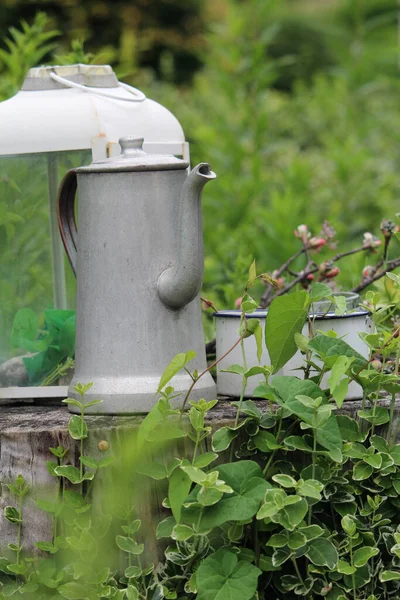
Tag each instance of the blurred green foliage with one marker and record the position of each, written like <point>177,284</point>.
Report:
<point>294,103</point>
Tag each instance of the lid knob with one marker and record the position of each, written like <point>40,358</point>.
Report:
<point>131,146</point>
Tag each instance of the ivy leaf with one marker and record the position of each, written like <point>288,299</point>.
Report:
<point>291,516</point>
<point>73,591</point>
<point>222,576</point>
<point>322,553</point>
<point>165,527</point>
<point>178,489</point>
<point>349,429</point>
<point>389,576</point>
<point>286,316</point>
<point>205,459</point>
<point>127,544</point>
<point>77,428</point>
<point>12,514</point>
<point>310,488</point>
<point>246,479</point>
<point>252,275</point>
<point>362,555</point>
<point>361,471</point>
<point>177,363</point>
<point>223,438</point>
<point>73,474</point>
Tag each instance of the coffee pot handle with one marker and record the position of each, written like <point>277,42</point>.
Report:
<point>66,216</point>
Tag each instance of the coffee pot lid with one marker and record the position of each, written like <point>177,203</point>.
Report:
<point>134,158</point>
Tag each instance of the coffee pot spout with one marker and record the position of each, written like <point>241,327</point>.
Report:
<point>179,284</point>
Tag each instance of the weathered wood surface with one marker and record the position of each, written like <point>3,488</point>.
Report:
<point>27,433</point>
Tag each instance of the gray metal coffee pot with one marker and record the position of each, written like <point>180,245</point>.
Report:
<point>138,258</point>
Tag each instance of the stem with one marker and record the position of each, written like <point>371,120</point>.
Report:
<point>265,297</point>
<point>314,456</point>
<point>391,265</point>
<point>211,366</point>
<point>196,447</point>
<point>296,568</point>
<point>373,416</point>
<point>19,528</point>
<point>199,519</point>
<point>353,579</point>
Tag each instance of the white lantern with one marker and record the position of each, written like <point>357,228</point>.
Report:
<point>63,117</point>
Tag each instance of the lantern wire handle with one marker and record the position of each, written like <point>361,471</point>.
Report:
<point>137,95</point>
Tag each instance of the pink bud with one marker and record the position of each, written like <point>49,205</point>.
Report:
<point>371,241</point>
<point>238,302</point>
<point>316,243</point>
<point>367,271</point>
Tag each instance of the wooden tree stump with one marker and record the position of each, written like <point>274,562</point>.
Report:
<point>27,433</point>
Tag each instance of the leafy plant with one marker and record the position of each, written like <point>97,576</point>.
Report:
<point>53,347</point>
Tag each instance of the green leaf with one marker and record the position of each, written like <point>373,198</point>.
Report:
<point>285,481</point>
<point>67,337</point>
<point>291,515</point>
<point>92,463</point>
<point>319,291</point>
<point>222,576</point>
<point>132,593</point>
<point>73,474</point>
<point>361,471</point>
<point>93,403</point>
<point>47,547</point>
<point>377,415</point>
<point>248,304</point>
<point>297,443</point>
<point>153,470</point>
<point>73,402</point>
<point>73,591</point>
<point>297,540</point>
<point>223,438</point>
<point>362,555</point>
<point>12,514</point>
<point>77,428</point>
<point>349,429</point>
<point>322,552</point>
<point>258,336</point>
<point>252,274</point>
<point>235,370</point>
<point>286,316</point>
<point>380,444</point>
<point>340,392</point>
<point>329,349</point>
<point>345,568</point>
<point>310,488</point>
<point>385,576</point>
<point>178,488</point>
<point>133,572</point>
<point>127,544</point>
<point>181,533</point>
<point>265,441</point>
<point>205,459</point>
<point>165,527</point>
<point>196,419</point>
<point>278,540</point>
<point>24,330</point>
<point>246,479</point>
<point>177,363</point>
<point>312,531</point>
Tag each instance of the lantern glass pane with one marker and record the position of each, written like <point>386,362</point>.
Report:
<point>35,276</point>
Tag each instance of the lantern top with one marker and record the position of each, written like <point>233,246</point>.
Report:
<point>133,158</point>
<point>79,107</point>
<point>42,78</point>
